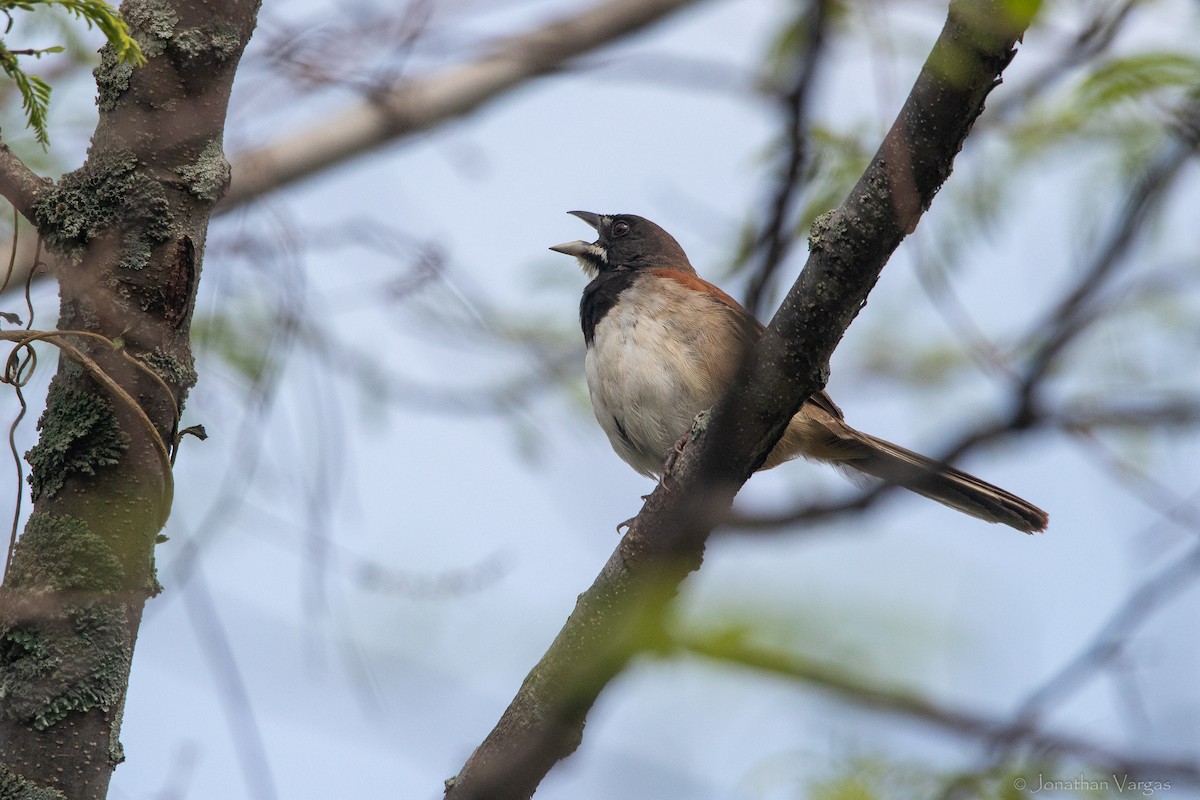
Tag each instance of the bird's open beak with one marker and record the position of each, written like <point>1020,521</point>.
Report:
<point>588,217</point>
<point>579,248</point>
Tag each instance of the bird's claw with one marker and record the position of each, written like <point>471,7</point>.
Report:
<point>699,424</point>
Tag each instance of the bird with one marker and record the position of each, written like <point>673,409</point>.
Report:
<point>663,344</point>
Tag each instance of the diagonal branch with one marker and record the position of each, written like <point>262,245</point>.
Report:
<point>621,613</point>
<point>416,105</point>
<point>18,183</point>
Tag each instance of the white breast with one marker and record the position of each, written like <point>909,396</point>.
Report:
<point>650,373</point>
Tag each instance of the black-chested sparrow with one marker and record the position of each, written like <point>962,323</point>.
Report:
<point>663,344</point>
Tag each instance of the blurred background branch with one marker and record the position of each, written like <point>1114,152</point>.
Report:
<point>409,106</point>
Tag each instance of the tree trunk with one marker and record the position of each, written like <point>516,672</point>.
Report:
<point>129,229</point>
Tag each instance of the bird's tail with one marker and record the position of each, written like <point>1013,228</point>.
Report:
<point>942,483</point>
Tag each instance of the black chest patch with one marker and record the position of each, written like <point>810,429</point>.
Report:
<point>600,296</point>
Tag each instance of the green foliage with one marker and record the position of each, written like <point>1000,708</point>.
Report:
<point>1124,79</point>
<point>35,92</point>
<point>1023,11</point>
<point>1119,103</point>
<point>93,12</point>
<point>789,44</point>
<point>878,777</point>
<point>836,160</point>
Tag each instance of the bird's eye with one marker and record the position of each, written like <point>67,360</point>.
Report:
<point>620,228</point>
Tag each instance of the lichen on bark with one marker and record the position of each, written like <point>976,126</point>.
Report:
<point>58,552</point>
<point>152,22</point>
<point>176,370</point>
<point>75,661</point>
<point>112,79</point>
<point>208,175</point>
<point>109,190</point>
<point>66,655</point>
<point>78,435</point>
<point>15,787</point>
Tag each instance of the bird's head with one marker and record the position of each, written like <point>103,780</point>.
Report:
<point>624,241</point>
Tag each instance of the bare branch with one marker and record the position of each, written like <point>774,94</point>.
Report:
<point>620,614</point>
<point>18,183</point>
<point>413,106</point>
<point>417,105</point>
<point>972,724</point>
<point>778,234</point>
<point>1183,413</point>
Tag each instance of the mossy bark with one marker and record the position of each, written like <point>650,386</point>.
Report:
<point>129,227</point>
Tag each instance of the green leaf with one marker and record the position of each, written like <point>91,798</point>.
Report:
<point>35,93</point>
<point>1133,77</point>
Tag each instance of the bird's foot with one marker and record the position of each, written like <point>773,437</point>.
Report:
<point>699,424</point>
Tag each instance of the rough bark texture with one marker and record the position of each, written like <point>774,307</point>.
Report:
<point>129,228</point>
<point>618,615</point>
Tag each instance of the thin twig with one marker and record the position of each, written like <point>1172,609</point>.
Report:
<point>17,373</point>
<point>778,235</point>
<point>12,256</point>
